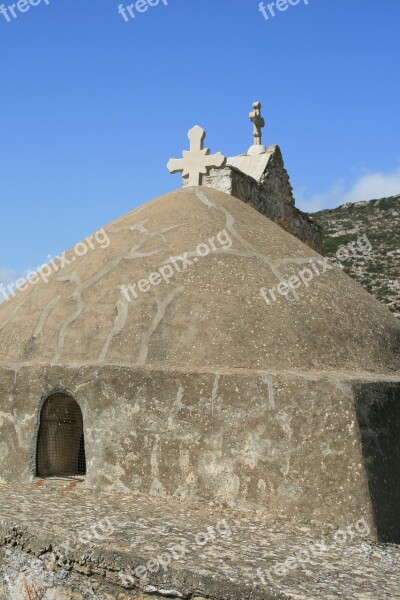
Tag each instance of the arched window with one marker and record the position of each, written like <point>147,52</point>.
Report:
<point>61,442</point>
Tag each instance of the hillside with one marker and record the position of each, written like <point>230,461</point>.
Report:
<point>375,267</point>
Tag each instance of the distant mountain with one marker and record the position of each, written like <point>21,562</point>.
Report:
<point>378,271</point>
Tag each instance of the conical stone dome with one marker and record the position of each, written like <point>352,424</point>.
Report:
<point>189,384</point>
<point>211,312</point>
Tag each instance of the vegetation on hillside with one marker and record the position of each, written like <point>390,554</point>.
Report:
<point>378,271</point>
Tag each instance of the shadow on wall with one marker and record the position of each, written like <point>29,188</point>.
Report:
<point>378,414</point>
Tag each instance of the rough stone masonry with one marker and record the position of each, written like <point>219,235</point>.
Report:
<point>258,178</point>
<point>198,389</point>
<point>262,182</point>
<point>197,405</point>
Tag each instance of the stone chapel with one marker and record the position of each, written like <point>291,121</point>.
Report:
<point>155,365</point>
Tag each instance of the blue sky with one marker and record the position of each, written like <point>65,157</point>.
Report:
<point>92,107</point>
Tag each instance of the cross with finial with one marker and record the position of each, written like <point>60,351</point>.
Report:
<point>259,123</point>
<point>196,161</point>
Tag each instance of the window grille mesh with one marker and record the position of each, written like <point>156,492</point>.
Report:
<point>61,443</point>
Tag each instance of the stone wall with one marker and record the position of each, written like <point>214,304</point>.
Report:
<point>24,576</point>
<point>271,196</point>
<point>284,443</point>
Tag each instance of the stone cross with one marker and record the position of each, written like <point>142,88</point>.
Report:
<point>259,123</point>
<point>196,161</point>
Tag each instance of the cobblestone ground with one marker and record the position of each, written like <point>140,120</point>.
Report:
<point>179,549</point>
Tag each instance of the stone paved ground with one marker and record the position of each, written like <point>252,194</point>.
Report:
<point>205,551</point>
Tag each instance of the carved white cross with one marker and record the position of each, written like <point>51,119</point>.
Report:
<point>258,121</point>
<point>196,161</point>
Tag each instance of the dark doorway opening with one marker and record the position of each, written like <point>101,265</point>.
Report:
<point>378,414</point>
<point>61,442</point>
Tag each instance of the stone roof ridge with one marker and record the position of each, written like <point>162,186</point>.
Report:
<point>254,165</point>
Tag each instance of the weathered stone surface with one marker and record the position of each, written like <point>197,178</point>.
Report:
<point>262,182</point>
<point>258,122</point>
<point>211,314</point>
<point>185,550</point>
<point>281,443</point>
<point>196,161</point>
<point>198,389</point>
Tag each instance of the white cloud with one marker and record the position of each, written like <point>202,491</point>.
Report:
<point>373,186</point>
<point>328,199</point>
<point>369,186</point>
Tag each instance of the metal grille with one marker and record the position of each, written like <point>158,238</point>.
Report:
<point>61,443</point>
